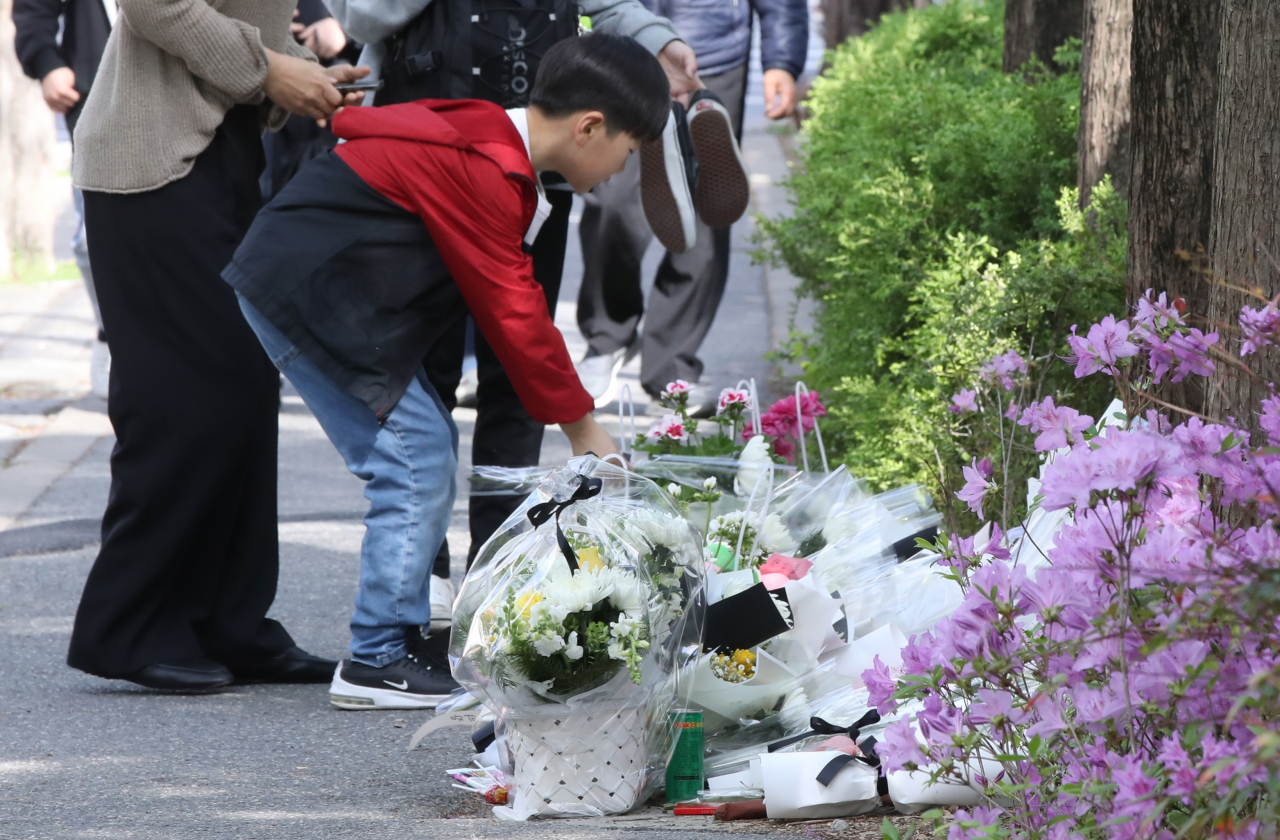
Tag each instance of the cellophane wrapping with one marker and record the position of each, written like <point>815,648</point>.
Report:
<point>583,667</point>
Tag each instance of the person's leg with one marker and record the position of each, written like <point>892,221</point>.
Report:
<point>409,464</point>
<point>189,554</point>
<point>614,237</point>
<point>688,287</point>
<point>505,435</point>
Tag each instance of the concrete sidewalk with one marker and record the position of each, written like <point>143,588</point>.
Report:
<point>83,757</point>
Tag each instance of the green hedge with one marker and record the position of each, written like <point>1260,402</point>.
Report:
<point>929,224</point>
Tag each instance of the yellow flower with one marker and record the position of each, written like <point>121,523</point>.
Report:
<point>744,657</point>
<point>589,559</point>
<point>526,601</point>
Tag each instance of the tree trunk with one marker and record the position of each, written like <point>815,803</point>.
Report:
<point>850,18</point>
<point>1103,138</point>
<point>1037,28</point>
<point>27,138</point>
<point>1244,233</point>
<point>1174,99</point>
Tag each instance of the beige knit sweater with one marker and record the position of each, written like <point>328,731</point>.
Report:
<point>171,71</point>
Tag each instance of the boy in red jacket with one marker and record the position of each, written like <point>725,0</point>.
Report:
<point>376,249</point>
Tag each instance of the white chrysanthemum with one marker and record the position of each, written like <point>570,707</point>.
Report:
<point>658,528</point>
<point>773,536</point>
<point>626,596</point>
<point>752,463</point>
<point>840,526</point>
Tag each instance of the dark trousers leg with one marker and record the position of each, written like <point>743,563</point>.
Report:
<point>189,555</point>
<point>614,237</point>
<point>504,435</point>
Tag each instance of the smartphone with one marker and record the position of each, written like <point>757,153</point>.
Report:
<point>357,87</point>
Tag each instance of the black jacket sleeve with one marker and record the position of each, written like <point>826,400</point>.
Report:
<point>311,11</point>
<point>784,34</point>
<point>36,22</point>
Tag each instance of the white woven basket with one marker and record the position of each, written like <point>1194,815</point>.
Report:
<point>582,761</point>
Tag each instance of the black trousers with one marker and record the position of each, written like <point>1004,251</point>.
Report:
<point>505,435</point>
<point>189,555</point>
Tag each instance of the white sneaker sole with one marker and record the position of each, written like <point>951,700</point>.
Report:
<point>664,191</point>
<point>360,698</point>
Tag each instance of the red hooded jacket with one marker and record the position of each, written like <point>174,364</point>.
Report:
<point>461,166</point>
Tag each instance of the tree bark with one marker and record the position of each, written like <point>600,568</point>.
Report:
<point>850,18</point>
<point>1244,233</point>
<point>27,177</point>
<point>1173,99</point>
<point>1103,137</point>
<point>1037,28</point>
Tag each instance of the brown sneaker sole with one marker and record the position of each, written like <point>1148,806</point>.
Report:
<point>722,192</point>
<point>660,207</point>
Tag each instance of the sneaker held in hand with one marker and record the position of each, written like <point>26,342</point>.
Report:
<point>722,190</point>
<point>667,175</point>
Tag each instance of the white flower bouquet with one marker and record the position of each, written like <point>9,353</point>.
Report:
<point>570,627</point>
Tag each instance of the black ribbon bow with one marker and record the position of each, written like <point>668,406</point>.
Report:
<point>540,514</point>
<point>833,767</point>
<point>818,726</point>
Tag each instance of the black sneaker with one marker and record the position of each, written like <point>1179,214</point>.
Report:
<point>667,175</point>
<point>417,681</point>
<point>722,191</point>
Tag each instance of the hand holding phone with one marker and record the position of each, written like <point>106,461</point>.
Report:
<point>359,87</point>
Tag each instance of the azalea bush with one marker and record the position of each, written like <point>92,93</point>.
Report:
<point>1121,677</point>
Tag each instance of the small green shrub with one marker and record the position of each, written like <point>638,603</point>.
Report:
<point>931,225</point>
<point>972,305</point>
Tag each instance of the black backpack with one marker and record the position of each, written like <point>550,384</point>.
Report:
<point>474,49</point>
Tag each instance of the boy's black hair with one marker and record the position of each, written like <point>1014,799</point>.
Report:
<point>606,73</point>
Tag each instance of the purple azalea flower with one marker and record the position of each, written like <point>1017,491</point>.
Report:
<point>880,686</point>
<point>966,400</point>
<point>1058,426</point>
<point>1270,419</point>
<point>901,747</point>
<point>1002,369</point>
<point>1047,711</point>
<point>1086,360</point>
<point>1260,327</point>
<point>996,707</point>
<point>977,481</point>
<point>1156,313</point>
<point>1109,339</point>
<point>1190,351</point>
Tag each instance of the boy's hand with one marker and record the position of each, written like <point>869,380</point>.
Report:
<point>681,66</point>
<point>779,93</point>
<point>58,87</point>
<point>586,435</point>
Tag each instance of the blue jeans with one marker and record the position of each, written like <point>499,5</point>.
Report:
<point>409,464</point>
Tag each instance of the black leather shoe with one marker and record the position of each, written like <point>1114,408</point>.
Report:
<point>295,665</point>
<point>196,675</point>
